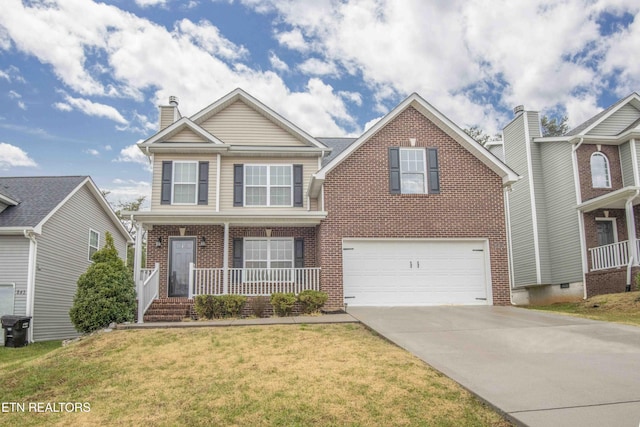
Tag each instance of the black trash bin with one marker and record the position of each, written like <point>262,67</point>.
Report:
<point>15,330</point>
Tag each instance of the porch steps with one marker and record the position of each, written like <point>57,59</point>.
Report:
<point>169,310</point>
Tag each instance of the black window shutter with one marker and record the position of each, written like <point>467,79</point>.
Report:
<point>434,171</point>
<point>203,183</point>
<point>165,192</point>
<point>394,170</point>
<point>238,185</point>
<point>238,253</point>
<point>297,186</point>
<point>298,249</point>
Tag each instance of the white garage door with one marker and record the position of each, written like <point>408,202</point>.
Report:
<point>415,272</point>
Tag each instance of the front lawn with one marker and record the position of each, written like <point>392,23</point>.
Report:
<point>255,375</point>
<point>621,308</point>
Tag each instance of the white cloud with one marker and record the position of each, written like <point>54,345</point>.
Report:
<point>14,95</point>
<point>125,191</point>
<point>91,108</point>
<point>108,148</point>
<point>293,40</point>
<point>12,156</point>
<point>22,105</point>
<point>92,152</point>
<point>149,3</point>
<point>208,38</point>
<point>62,106</point>
<point>318,67</point>
<point>277,63</point>
<point>132,154</point>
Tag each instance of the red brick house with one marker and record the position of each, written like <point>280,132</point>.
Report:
<point>410,213</point>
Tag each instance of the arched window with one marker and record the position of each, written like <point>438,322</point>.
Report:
<point>600,175</point>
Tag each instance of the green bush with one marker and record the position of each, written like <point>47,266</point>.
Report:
<point>105,293</point>
<point>219,306</point>
<point>311,300</point>
<point>283,303</point>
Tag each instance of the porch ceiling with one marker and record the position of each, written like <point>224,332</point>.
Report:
<point>261,219</point>
<point>613,200</point>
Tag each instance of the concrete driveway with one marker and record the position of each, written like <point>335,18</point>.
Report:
<point>540,369</point>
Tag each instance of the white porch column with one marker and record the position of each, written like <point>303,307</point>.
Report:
<point>225,260</point>
<point>137,259</point>
<point>631,230</point>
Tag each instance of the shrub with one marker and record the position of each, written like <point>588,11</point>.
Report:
<point>219,306</point>
<point>311,300</point>
<point>105,293</point>
<point>283,303</point>
<point>258,305</point>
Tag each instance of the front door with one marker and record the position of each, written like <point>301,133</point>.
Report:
<point>182,252</point>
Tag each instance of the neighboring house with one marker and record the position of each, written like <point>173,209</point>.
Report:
<point>243,201</point>
<point>49,228</point>
<point>573,216</point>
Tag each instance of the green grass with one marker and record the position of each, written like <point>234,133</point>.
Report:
<point>302,375</point>
<point>10,357</point>
<point>619,308</point>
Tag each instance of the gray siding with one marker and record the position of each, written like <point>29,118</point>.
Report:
<point>617,122</point>
<point>520,216</point>
<point>637,154</point>
<point>626,164</point>
<point>14,265</point>
<point>562,221</point>
<point>63,251</point>
<point>538,176</point>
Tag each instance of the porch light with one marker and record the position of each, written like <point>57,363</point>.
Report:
<point>203,241</point>
<point>159,242</point>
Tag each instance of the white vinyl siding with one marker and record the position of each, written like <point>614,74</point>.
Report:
<point>184,183</point>
<point>239,124</point>
<point>617,122</point>
<point>309,167</point>
<point>626,164</point>
<point>186,135</point>
<point>157,180</point>
<point>413,171</point>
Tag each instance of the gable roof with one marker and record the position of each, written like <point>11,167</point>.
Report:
<point>240,95</point>
<point>441,121</point>
<point>179,126</point>
<point>338,145</point>
<point>39,197</point>
<point>594,121</point>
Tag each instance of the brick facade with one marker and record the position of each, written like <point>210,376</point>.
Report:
<point>609,281</point>
<point>358,202</point>
<point>211,255</point>
<point>584,170</point>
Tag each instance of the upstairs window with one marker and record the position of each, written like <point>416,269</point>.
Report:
<point>413,171</point>
<point>185,182</point>
<point>268,185</point>
<point>600,174</point>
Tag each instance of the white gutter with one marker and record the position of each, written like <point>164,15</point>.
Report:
<point>31,279</point>
<point>583,239</point>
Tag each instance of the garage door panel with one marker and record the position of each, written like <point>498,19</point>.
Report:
<point>382,272</point>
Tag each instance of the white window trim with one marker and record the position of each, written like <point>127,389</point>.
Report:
<point>89,247</point>
<point>173,182</point>
<point>269,240</point>
<point>268,185</point>
<point>424,172</point>
<point>606,160</point>
<point>614,226</point>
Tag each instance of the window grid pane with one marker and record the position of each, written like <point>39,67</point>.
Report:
<point>413,171</point>
<point>600,171</point>
<point>185,177</point>
<point>268,185</point>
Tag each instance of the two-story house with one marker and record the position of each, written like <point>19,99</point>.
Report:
<point>573,216</point>
<point>410,213</point>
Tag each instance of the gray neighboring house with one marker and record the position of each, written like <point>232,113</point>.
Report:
<point>573,217</point>
<point>49,228</point>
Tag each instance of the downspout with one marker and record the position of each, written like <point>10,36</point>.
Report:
<point>31,279</point>
<point>583,244</point>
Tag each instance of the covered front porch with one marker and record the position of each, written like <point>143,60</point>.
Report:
<point>232,257</point>
<point>610,233</point>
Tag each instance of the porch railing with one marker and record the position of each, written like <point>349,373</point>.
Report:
<point>254,281</point>
<point>609,256</point>
<point>150,290</point>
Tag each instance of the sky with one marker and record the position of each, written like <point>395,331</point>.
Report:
<point>81,81</point>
